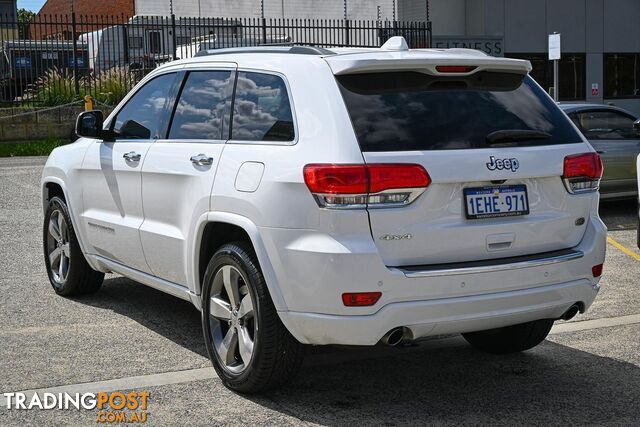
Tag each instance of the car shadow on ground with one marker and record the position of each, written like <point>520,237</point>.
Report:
<point>439,381</point>
<point>166,315</point>
<point>455,384</point>
<point>620,214</point>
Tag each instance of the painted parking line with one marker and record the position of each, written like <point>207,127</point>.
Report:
<point>199,374</point>
<point>613,242</point>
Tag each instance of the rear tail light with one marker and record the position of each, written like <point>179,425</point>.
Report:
<point>359,186</point>
<point>596,270</point>
<point>361,299</point>
<point>582,172</point>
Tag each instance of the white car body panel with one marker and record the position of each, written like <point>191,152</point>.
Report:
<point>174,194</point>
<point>309,256</point>
<point>112,207</point>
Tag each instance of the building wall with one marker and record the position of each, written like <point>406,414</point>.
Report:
<point>8,10</point>
<point>8,19</point>
<point>301,9</point>
<point>412,10</point>
<point>589,27</point>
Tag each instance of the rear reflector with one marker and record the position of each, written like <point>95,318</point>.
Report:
<point>455,68</point>
<point>582,172</point>
<point>361,299</point>
<point>373,185</point>
<point>596,270</point>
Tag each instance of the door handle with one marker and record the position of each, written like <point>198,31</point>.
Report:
<point>202,160</point>
<point>132,156</point>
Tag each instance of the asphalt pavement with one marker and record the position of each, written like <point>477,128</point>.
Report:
<point>131,337</point>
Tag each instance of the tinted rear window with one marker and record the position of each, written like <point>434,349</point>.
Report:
<point>404,111</point>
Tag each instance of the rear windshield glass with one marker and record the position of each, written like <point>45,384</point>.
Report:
<point>404,111</point>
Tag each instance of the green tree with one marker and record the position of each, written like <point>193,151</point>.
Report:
<point>24,18</point>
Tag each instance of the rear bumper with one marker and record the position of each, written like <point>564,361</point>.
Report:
<point>443,316</point>
<point>313,270</point>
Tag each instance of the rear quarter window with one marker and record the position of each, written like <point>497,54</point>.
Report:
<point>262,111</point>
<point>407,111</point>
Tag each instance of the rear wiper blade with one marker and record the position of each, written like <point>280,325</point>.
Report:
<point>515,135</point>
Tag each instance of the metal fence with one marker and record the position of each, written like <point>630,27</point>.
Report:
<point>54,60</point>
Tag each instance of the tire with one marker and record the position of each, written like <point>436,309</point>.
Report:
<point>71,274</point>
<point>275,355</point>
<point>510,339</point>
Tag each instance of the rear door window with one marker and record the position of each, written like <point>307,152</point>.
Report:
<point>262,111</point>
<point>204,106</point>
<point>407,111</point>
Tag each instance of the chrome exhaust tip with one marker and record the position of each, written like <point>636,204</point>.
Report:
<point>393,337</point>
<point>571,313</point>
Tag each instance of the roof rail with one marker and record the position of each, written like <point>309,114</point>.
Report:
<point>296,50</point>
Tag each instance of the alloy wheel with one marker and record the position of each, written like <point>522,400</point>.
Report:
<point>58,247</point>
<point>232,319</point>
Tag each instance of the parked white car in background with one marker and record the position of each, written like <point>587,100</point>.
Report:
<point>300,195</point>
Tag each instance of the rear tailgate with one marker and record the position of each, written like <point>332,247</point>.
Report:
<point>437,224</point>
<point>485,134</point>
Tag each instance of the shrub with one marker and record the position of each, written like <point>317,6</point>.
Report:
<point>110,86</point>
<point>54,87</point>
<point>57,87</point>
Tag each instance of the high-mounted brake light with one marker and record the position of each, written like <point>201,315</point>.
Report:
<point>455,68</point>
<point>582,172</point>
<point>359,186</point>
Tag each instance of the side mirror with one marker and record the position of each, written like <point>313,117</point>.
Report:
<point>89,124</point>
<point>636,127</point>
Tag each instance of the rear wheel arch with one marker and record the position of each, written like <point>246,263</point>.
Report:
<point>214,236</point>
<point>229,228</point>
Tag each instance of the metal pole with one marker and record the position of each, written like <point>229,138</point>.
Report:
<point>556,89</point>
<point>174,39</point>
<point>75,53</point>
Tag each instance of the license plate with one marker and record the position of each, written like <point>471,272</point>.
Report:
<point>495,202</point>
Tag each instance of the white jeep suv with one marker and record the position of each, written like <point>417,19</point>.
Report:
<point>300,195</point>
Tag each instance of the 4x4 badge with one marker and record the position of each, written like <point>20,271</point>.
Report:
<point>503,164</point>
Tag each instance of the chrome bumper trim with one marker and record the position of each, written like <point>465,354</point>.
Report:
<point>490,266</point>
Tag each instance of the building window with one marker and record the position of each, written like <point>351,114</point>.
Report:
<point>135,42</point>
<point>572,72</point>
<point>622,75</point>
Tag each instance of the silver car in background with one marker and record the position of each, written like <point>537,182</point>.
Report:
<point>615,134</point>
